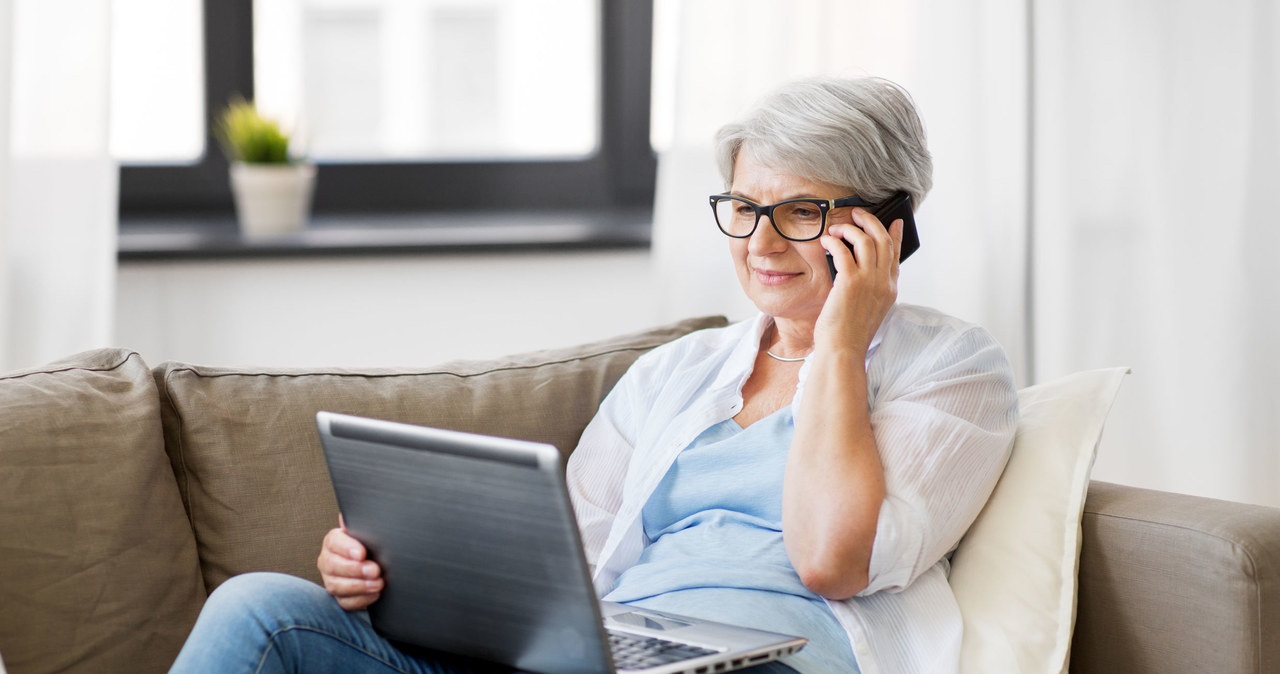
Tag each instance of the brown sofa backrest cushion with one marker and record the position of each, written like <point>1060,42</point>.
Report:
<point>247,457</point>
<point>98,569</point>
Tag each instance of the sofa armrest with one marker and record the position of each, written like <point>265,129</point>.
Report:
<point>1170,582</point>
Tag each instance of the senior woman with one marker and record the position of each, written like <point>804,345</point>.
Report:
<point>806,471</point>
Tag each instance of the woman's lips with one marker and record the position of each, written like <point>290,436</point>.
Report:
<point>773,278</point>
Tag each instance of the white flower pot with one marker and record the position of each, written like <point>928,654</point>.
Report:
<point>272,199</point>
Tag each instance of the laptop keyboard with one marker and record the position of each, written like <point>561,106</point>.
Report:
<point>634,651</point>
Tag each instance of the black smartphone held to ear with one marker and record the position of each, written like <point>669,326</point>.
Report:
<point>894,208</point>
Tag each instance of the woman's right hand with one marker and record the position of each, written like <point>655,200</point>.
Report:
<point>349,575</point>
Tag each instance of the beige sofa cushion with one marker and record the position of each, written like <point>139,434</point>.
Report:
<point>244,446</point>
<point>98,567</point>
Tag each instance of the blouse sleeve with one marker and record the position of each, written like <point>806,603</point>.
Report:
<point>944,424</point>
<point>597,468</point>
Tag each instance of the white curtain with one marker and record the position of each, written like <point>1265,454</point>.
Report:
<point>1105,188</point>
<point>57,182</point>
<point>1157,151</point>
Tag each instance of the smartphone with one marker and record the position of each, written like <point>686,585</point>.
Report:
<point>895,207</point>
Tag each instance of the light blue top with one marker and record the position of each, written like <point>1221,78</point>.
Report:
<point>715,551</point>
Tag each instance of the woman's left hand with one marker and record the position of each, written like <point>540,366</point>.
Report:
<point>866,283</point>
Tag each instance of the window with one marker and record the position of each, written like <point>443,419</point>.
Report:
<point>156,103</point>
<point>432,80</point>
<point>395,97</point>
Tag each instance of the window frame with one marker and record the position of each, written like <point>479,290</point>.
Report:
<point>620,175</point>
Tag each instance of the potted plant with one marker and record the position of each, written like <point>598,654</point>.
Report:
<point>271,189</point>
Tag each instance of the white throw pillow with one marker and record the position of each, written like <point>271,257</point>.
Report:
<point>1014,573</point>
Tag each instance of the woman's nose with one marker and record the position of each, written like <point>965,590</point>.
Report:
<point>766,238</point>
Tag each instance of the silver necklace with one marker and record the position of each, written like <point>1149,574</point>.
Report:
<point>780,358</point>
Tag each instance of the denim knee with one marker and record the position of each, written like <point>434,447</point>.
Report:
<point>261,584</point>
<point>266,595</point>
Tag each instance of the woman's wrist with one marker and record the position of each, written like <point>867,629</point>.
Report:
<point>847,353</point>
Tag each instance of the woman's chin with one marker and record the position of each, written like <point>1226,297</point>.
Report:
<point>787,306</point>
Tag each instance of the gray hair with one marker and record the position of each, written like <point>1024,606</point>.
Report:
<point>861,134</point>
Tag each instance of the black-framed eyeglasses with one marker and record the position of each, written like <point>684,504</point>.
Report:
<point>794,219</point>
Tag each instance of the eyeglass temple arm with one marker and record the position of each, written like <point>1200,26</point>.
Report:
<point>851,201</point>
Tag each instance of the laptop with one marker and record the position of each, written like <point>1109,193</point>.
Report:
<point>482,558</point>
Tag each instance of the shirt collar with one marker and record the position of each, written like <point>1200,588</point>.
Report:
<point>875,339</point>
<point>742,359</point>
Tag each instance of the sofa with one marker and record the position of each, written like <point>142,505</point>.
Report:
<point>130,492</point>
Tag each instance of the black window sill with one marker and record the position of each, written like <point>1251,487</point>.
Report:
<point>218,237</point>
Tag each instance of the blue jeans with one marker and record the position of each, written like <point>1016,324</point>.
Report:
<point>270,622</point>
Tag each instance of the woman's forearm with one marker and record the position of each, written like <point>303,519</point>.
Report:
<point>834,481</point>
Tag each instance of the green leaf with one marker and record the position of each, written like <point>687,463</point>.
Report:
<point>247,136</point>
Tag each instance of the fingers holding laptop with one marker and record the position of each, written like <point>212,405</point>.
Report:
<point>349,575</point>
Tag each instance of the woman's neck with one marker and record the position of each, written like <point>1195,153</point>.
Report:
<point>788,339</point>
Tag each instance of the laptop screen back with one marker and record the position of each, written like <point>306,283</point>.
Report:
<point>476,539</point>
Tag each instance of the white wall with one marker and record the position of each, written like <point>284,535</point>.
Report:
<point>405,310</point>
<point>379,311</point>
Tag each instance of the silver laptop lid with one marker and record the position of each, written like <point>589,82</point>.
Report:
<point>487,561</point>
